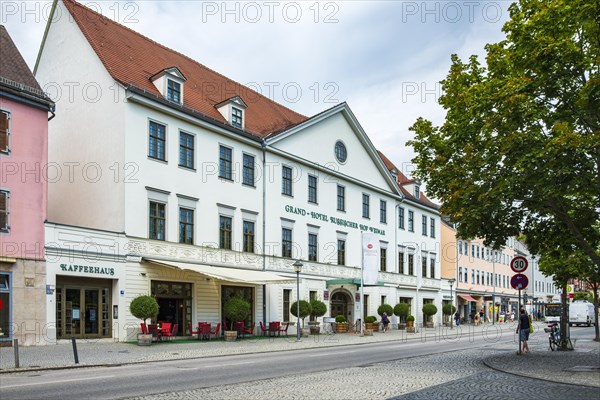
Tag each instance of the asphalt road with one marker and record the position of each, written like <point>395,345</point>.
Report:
<point>184,375</point>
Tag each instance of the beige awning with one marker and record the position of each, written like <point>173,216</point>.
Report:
<point>227,274</point>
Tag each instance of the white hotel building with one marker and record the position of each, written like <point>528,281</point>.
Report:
<point>179,182</point>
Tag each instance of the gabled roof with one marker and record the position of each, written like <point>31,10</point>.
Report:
<point>344,109</point>
<point>15,76</point>
<point>403,180</point>
<point>132,59</point>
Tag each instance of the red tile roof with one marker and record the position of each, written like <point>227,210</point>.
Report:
<point>15,75</point>
<point>132,59</point>
<point>403,180</point>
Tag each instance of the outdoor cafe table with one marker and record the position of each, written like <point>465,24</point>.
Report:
<point>274,327</point>
<point>203,331</point>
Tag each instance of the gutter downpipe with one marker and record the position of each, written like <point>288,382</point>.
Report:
<point>264,225</point>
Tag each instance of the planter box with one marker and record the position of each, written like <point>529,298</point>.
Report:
<point>144,339</point>
<point>315,329</point>
<point>305,332</point>
<point>341,328</point>
<point>410,329</point>
<point>230,336</point>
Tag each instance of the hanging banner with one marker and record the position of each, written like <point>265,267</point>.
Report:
<point>370,244</point>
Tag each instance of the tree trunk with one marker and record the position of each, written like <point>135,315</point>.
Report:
<point>596,327</point>
<point>564,317</point>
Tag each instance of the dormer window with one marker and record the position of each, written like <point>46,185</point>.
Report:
<point>237,117</point>
<point>169,83</point>
<point>173,91</point>
<point>233,110</point>
<point>417,191</point>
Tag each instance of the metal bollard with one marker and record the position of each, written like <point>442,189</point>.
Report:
<point>16,348</point>
<point>75,350</point>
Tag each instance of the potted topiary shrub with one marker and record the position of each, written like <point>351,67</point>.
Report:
<point>317,309</point>
<point>448,310</point>
<point>384,308</point>
<point>341,326</point>
<point>304,312</point>
<point>144,307</point>
<point>410,324</point>
<point>401,311</point>
<point>371,322</point>
<point>429,310</point>
<point>235,309</point>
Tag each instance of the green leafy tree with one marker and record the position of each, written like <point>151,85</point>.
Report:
<point>401,311</point>
<point>429,310</point>
<point>144,307</point>
<point>385,308</point>
<point>317,308</point>
<point>236,309</point>
<point>582,296</point>
<point>519,151</point>
<point>448,309</point>
<point>305,310</point>
<point>562,259</point>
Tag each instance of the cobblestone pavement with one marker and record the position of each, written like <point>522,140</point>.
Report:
<point>491,372</point>
<point>106,351</point>
<point>453,375</point>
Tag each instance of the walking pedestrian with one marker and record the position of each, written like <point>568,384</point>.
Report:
<point>385,321</point>
<point>457,318</point>
<point>523,330</point>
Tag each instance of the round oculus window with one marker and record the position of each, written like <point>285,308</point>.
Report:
<point>340,152</point>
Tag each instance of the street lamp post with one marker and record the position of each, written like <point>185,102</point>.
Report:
<point>297,268</point>
<point>451,283</point>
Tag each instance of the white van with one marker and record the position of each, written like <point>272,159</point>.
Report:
<point>581,313</point>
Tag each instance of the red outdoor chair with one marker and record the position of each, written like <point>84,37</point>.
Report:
<point>284,330</point>
<point>274,326</point>
<point>192,331</point>
<point>144,328</point>
<point>168,330</point>
<point>217,331</point>
<point>263,330</point>
<point>251,330</point>
<point>153,330</point>
<point>239,327</point>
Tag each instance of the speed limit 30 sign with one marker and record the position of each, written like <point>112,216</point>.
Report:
<point>518,264</point>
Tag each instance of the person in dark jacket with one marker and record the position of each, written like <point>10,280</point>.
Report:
<point>523,330</point>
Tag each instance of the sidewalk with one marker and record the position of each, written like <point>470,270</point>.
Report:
<point>578,367</point>
<point>541,363</point>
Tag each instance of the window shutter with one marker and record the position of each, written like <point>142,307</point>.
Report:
<point>3,210</point>
<point>3,131</point>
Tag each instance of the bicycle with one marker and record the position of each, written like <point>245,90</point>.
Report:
<point>553,331</point>
<point>553,336</point>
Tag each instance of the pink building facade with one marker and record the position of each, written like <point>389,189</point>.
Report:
<point>24,114</point>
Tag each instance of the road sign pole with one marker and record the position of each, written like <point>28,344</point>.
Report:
<point>519,323</point>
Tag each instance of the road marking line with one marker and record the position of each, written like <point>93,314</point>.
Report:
<point>331,354</point>
<point>230,364</point>
<point>52,382</point>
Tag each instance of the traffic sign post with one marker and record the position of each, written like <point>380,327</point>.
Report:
<point>519,264</point>
<point>519,282</point>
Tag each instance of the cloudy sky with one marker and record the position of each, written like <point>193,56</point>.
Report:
<point>385,58</point>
